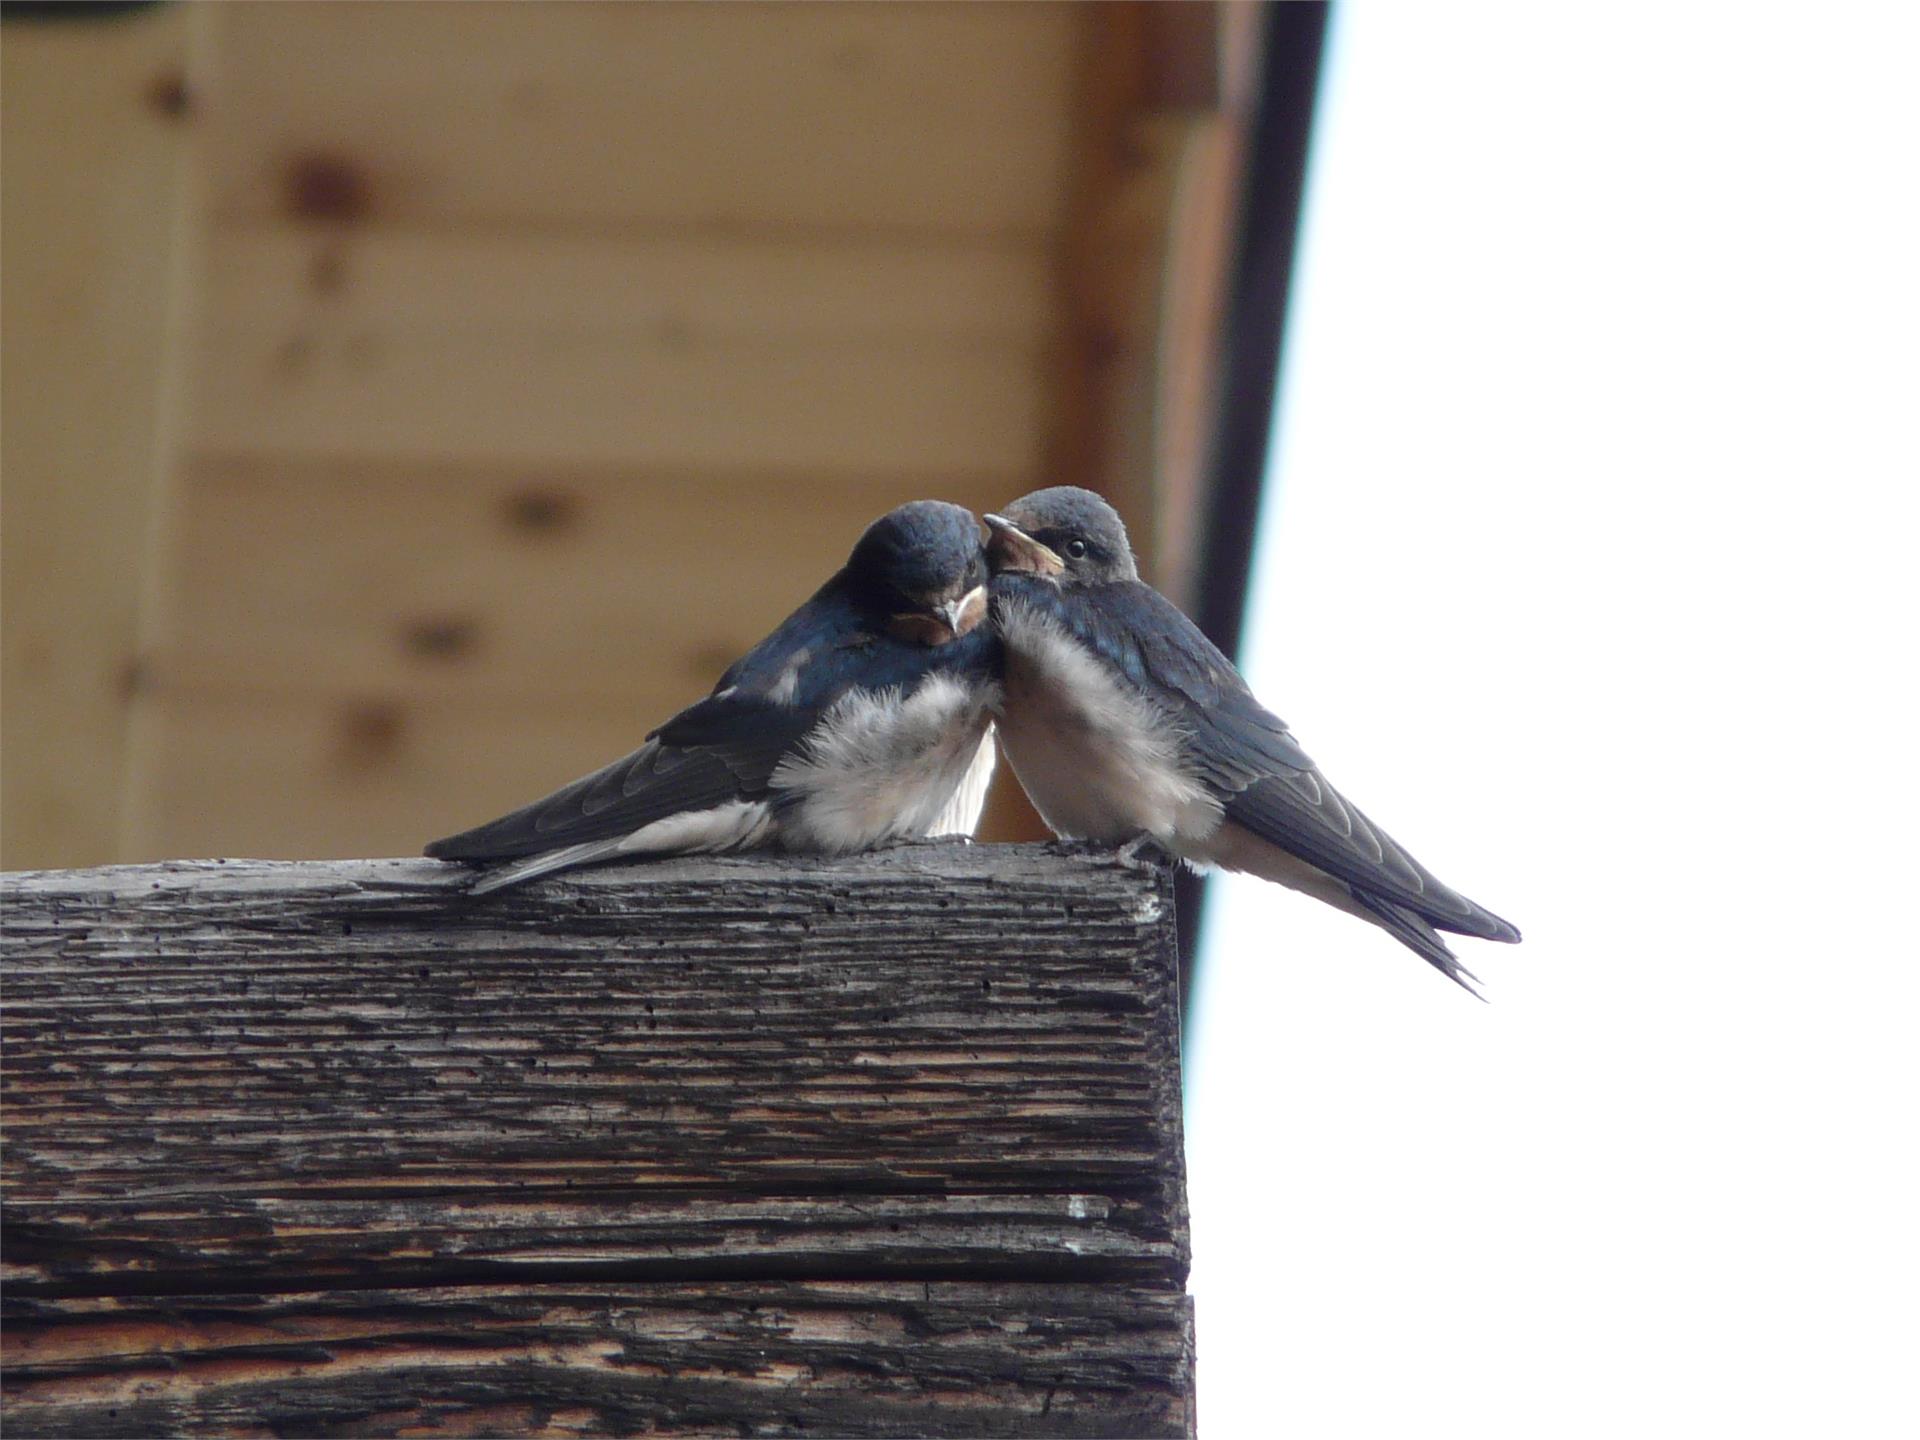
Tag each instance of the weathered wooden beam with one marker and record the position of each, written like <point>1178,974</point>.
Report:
<point>870,1358</point>
<point>931,1094</point>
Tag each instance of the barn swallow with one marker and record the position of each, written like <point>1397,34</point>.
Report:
<point>1124,723</point>
<point>863,720</point>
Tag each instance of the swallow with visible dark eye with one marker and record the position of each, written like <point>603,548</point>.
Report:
<point>863,720</point>
<point>1124,723</point>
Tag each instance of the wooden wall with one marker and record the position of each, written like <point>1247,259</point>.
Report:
<point>544,356</point>
<point>93,260</point>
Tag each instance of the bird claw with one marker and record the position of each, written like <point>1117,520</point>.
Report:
<point>1143,852</point>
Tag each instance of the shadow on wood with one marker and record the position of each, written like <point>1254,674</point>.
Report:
<point>882,1146</point>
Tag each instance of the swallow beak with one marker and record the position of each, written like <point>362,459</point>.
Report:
<point>963,614</point>
<point>943,621</point>
<point>1009,548</point>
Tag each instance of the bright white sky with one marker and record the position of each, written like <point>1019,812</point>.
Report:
<point>1589,572</point>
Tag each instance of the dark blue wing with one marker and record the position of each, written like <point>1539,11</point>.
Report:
<point>727,746</point>
<point>1246,754</point>
<point>722,748</point>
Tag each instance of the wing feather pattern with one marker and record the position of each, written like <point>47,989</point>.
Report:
<point>720,749</point>
<point>727,747</point>
<point>1266,782</point>
<point>657,780</point>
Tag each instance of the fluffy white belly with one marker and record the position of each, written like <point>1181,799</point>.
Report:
<point>1099,761</point>
<point>883,765</point>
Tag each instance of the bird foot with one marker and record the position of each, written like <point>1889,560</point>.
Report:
<point>1143,852</point>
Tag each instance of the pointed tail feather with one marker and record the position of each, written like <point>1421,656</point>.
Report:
<point>1420,937</point>
<point>532,867</point>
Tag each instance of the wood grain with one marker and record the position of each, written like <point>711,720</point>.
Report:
<point>761,1358</point>
<point>934,1061</point>
<point>336,773</point>
<point>879,1147</point>
<point>853,405</point>
<point>366,655</point>
<point>95,189</point>
<point>284,281</point>
<point>585,585</point>
<point>942,118</point>
<point>320,774</point>
<point>1160,124</point>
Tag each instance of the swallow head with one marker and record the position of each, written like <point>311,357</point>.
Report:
<point>921,567</point>
<point>1067,535</point>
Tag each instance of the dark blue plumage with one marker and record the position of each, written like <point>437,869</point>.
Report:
<point>1122,719</point>
<point>863,718</point>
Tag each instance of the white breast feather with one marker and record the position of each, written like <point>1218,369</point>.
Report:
<point>1098,760</point>
<point>882,765</point>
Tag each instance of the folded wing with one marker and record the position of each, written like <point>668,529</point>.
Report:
<point>721,750</point>
<point>1265,781</point>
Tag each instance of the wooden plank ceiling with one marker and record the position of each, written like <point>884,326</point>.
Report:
<point>547,355</point>
<point>551,354</point>
<point>91,245</point>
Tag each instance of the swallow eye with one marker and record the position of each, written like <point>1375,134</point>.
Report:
<point>1076,549</point>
